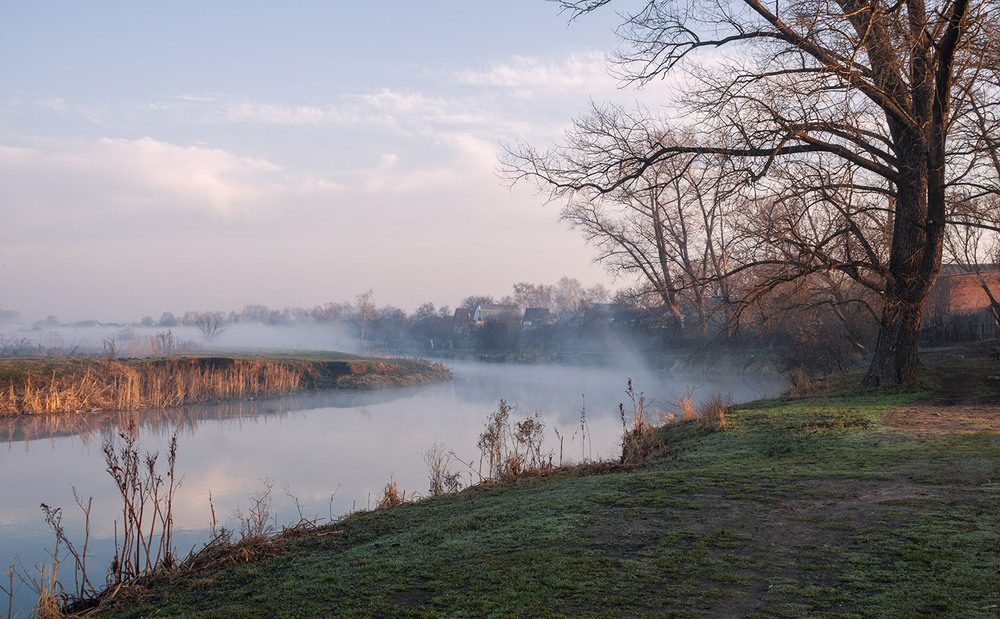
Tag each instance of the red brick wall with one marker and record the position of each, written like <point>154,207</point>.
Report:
<point>962,294</point>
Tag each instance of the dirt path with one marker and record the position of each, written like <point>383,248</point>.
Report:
<point>968,402</point>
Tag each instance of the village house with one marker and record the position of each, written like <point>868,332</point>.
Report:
<point>463,316</point>
<point>607,314</point>
<point>536,317</point>
<point>487,312</point>
<point>959,307</point>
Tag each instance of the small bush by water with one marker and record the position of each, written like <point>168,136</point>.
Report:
<point>511,451</point>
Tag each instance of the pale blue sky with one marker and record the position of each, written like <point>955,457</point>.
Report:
<point>206,155</point>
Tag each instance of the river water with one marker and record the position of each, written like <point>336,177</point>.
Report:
<point>322,455</point>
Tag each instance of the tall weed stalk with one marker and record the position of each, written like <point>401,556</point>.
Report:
<point>144,542</point>
<point>510,452</point>
<point>10,589</point>
<point>82,589</point>
<point>442,480</point>
<point>586,444</point>
<point>639,437</point>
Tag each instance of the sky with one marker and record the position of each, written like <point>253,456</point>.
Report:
<point>161,156</point>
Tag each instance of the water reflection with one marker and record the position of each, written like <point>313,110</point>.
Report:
<point>329,452</point>
<point>91,427</point>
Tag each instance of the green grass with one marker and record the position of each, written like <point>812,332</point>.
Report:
<point>800,507</point>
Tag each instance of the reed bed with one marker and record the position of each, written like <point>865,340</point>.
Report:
<point>87,385</point>
<point>91,386</point>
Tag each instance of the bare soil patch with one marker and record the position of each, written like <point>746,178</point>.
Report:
<point>928,418</point>
<point>968,402</point>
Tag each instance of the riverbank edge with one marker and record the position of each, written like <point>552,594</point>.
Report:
<point>53,385</point>
<point>794,506</point>
<point>752,362</point>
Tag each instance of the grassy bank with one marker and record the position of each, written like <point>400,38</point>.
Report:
<point>60,385</point>
<point>834,503</point>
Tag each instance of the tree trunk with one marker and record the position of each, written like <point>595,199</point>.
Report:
<point>914,262</point>
<point>895,359</point>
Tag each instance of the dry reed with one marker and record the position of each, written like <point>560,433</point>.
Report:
<point>49,605</point>
<point>686,409</point>
<point>392,496</point>
<point>113,385</point>
<point>641,440</point>
<point>713,413</point>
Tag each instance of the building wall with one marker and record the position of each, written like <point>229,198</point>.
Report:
<point>962,294</point>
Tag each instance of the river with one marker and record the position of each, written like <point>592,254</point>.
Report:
<point>322,455</point>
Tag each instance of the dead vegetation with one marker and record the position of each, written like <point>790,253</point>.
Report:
<point>510,452</point>
<point>641,437</point>
<point>86,385</point>
<point>143,534</point>
<point>393,496</point>
<point>442,480</point>
<point>144,554</point>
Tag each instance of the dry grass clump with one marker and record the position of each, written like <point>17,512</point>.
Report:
<point>392,496</point>
<point>712,414</point>
<point>50,598</point>
<point>685,406</point>
<point>640,437</point>
<point>256,538</point>
<point>640,443</point>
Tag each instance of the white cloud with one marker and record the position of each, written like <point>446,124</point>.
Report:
<point>530,77</point>
<point>533,98</point>
<point>196,176</point>
<point>119,175</point>
<point>407,113</point>
<point>57,105</point>
<point>49,188</point>
<point>282,114</point>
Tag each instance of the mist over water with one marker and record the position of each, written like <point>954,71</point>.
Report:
<point>332,452</point>
<point>136,340</point>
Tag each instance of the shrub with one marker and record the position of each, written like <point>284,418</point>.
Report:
<point>508,453</point>
<point>640,438</point>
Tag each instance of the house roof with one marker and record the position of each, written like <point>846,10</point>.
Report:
<point>536,313</point>
<point>949,270</point>
<point>606,310</point>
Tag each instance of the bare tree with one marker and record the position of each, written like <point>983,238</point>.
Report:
<point>666,225</point>
<point>211,324</point>
<point>533,295</point>
<point>366,311</point>
<point>475,300</point>
<point>836,117</point>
